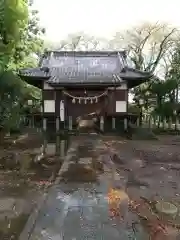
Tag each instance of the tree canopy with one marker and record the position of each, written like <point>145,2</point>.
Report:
<point>13,20</point>
<point>21,43</point>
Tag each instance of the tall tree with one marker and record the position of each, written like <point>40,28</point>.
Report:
<point>13,20</point>
<point>146,44</point>
<point>21,38</point>
<point>30,44</point>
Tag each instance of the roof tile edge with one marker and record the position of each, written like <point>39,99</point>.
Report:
<point>85,53</point>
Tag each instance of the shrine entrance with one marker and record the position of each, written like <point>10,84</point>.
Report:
<point>82,103</point>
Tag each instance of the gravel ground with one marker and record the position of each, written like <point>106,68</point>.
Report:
<point>151,172</point>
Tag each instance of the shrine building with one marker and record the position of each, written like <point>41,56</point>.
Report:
<point>77,83</point>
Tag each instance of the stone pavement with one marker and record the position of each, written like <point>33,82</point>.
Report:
<point>80,210</point>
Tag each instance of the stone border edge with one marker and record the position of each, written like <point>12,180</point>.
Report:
<point>30,224</point>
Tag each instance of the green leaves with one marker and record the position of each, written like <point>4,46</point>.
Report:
<point>29,45</point>
<point>14,94</point>
<point>20,38</point>
<point>13,20</point>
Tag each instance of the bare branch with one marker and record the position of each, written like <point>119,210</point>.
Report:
<point>154,64</point>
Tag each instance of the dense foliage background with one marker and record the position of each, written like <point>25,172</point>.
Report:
<point>21,43</point>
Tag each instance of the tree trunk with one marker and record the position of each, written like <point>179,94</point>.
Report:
<point>159,121</point>
<point>2,135</point>
<point>150,122</point>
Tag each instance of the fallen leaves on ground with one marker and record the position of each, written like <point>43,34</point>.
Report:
<point>117,199</point>
<point>157,228</point>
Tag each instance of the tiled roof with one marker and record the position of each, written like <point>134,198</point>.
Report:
<point>70,66</point>
<point>83,67</point>
<point>54,58</point>
<point>34,72</point>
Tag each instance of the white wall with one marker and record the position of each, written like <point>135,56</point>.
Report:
<point>49,106</point>
<point>121,106</point>
<point>46,86</point>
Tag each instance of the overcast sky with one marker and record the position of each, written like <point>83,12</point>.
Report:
<point>102,17</point>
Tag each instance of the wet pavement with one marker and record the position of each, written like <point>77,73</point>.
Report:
<point>79,205</point>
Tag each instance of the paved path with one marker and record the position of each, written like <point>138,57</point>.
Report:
<point>80,210</point>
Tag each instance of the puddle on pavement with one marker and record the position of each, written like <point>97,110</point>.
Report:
<point>83,211</point>
<point>82,173</point>
<point>86,167</point>
<point>23,175</point>
<point>91,206</point>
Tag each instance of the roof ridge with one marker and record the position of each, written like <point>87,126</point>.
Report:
<point>100,52</point>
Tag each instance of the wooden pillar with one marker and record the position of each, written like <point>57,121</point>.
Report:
<point>44,124</point>
<point>102,123</point>
<point>164,123</point>
<point>170,123</point>
<point>57,145</point>
<point>33,122</point>
<point>70,123</point>
<point>138,122</point>
<point>154,122</point>
<point>57,124</point>
<point>44,130</point>
<point>30,122</point>
<point>151,122</point>
<point>177,123</point>
<point>113,123</point>
<point>125,123</point>
<point>62,148</point>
